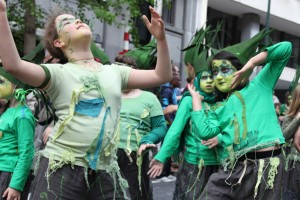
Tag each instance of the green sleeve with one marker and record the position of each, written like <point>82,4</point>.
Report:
<point>158,131</point>
<point>206,124</point>
<point>219,136</point>
<point>24,128</point>
<point>278,56</point>
<point>289,127</point>
<point>172,139</point>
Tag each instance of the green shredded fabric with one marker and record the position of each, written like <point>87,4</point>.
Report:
<point>274,162</point>
<point>236,130</point>
<point>232,157</point>
<point>74,101</point>
<point>239,96</point>
<point>259,176</point>
<point>112,146</point>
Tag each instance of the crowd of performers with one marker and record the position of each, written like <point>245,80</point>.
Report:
<point>105,126</point>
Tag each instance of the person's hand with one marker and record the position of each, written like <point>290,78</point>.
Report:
<point>211,143</point>
<point>296,140</point>
<point>170,109</point>
<point>194,93</point>
<point>242,76</point>
<point>156,26</point>
<point>12,194</point>
<point>156,168</point>
<point>2,6</point>
<point>298,116</point>
<point>46,134</point>
<point>143,147</point>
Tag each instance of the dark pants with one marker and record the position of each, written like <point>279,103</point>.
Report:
<point>71,183</point>
<point>291,181</point>
<point>243,181</point>
<point>188,184</point>
<point>130,172</point>
<point>5,178</point>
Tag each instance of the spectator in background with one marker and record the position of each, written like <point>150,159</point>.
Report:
<point>284,108</point>
<point>290,126</point>
<point>142,125</point>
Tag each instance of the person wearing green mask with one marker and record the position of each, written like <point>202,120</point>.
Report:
<point>200,160</point>
<point>199,156</point>
<point>16,141</point>
<point>250,153</point>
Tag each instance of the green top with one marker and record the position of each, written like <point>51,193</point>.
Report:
<point>289,127</point>
<point>283,110</point>
<point>16,144</point>
<point>248,119</point>
<point>87,104</point>
<point>194,149</point>
<point>135,121</point>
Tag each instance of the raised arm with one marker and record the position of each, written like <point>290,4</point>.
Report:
<point>163,69</point>
<point>27,72</point>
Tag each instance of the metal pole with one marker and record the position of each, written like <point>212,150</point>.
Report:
<point>268,19</point>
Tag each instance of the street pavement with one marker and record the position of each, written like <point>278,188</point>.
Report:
<point>163,191</point>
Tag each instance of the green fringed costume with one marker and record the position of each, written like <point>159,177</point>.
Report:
<point>199,160</point>
<point>247,122</point>
<point>141,122</point>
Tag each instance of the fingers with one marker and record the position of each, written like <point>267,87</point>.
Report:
<point>146,21</point>
<point>5,193</point>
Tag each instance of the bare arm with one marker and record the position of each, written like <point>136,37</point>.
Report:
<point>163,69</point>
<point>27,72</point>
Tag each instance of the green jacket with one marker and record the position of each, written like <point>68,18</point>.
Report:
<point>194,150</point>
<point>248,119</point>
<point>17,127</point>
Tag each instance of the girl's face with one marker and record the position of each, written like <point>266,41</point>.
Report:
<point>206,82</point>
<point>223,72</point>
<point>6,88</point>
<point>69,28</point>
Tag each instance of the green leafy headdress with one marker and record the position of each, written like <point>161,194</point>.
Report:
<point>249,48</point>
<point>99,54</point>
<point>145,56</point>
<point>295,81</point>
<point>199,53</point>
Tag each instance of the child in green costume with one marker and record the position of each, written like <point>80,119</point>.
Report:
<point>87,99</point>
<point>251,136</point>
<point>16,141</point>
<point>200,159</point>
<point>142,125</point>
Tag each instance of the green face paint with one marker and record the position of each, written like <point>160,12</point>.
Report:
<point>223,72</point>
<point>6,88</point>
<point>62,21</point>
<point>206,82</point>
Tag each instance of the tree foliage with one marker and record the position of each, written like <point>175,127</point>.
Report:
<point>108,11</point>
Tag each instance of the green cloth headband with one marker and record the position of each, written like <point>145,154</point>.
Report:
<point>145,56</point>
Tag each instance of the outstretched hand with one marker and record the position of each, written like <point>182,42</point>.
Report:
<point>2,6</point>
<point>143,147</point>
<point>156,26</point>
<point>242,76</point>
<point>156,168</point>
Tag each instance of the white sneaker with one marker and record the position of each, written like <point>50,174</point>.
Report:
<point>158,180</point>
